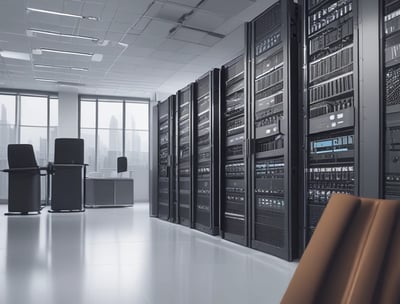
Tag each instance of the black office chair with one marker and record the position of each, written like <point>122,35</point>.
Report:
<point>122,164</point>
<point>23,181</point>
<point>69,172</point>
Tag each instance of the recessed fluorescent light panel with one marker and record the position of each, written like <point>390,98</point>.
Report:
<point>44,50</point>
<point>94,57</point>
<point>46,80</point>
<point>30,33</point>
<point>61,83</point>
<point>15,55</point>
<point>45,66</point>
<point>36,10</point>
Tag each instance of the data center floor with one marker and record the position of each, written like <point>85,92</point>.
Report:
<point>123,256</point>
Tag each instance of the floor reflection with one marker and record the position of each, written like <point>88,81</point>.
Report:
<point>24,264</point>
<point>66,248</point>
<point>123,256</point>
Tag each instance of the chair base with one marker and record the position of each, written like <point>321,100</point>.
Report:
<point>67,211</point>
<point>22,213</point>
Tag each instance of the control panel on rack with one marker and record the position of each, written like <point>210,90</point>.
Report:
<point>330,104</point>
<point>392,98</point>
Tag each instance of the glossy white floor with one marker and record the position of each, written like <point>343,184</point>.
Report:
<point>123,256</point>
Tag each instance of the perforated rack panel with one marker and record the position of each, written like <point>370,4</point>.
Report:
<point>205,156</point>
<point>274,130</point>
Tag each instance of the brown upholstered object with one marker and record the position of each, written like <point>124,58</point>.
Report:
<point>353,256</point>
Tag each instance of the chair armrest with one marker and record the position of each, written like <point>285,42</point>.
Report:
<point>15,170</point>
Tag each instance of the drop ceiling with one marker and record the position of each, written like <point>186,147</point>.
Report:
<point>140,47</point>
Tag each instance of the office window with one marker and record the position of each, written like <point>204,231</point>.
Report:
<point>88,132</point>
<point>53,125</point>
<point>8,136</point>
<point>109,136</point>
<point>113,128</point>
<point>33,127</point>
<point>27,119</point>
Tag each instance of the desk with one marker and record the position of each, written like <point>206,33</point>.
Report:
<point>109,192</point>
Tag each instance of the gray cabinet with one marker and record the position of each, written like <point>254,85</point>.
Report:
<point>109,192</point>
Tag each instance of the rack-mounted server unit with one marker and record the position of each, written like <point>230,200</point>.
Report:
<point>330,104</point>
<point>166,159</point>
<point>184,159</point>
<point>273,48</point>
<point>391,93</point>
<point>205,156</point>
<point>233,158</point>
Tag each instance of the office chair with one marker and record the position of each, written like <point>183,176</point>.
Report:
<point>23,180</point>
<point>68,171</point>
<point>122,164</point>
<point>352,256</point>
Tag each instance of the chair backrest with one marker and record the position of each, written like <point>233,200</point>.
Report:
<point>69,151</point>
<point>352,256</point>
<point>122,164</point>
<point>21,156</point>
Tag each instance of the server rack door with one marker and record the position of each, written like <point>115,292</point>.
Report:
<point>184,156</point>
<point>274,118</point>
<point>331,103</point>
<point>205,156</point>
<point>391,92</point>
<point>154,163</point>
<point>164,169</point>
<point>172,159</point>
<point>233,177</point>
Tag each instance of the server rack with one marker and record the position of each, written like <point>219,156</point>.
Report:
<point>205,156</point>
<point>153,181</point>
<point>391,94</point>
<point>330,104</point>
<point>233,157</point>
<point>184,141</point>
<point>166,159</point>
<point>274,130</point>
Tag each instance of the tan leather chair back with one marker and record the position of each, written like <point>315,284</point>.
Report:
<point>353,255</point>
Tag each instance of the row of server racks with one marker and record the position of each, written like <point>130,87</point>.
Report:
<point>235,137</point>
<point>257,148</point>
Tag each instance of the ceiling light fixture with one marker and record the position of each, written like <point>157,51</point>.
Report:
<point>58,34</point>
<point>46,80</point>
<point>44,50</point>
<point>36,10</point>
<point>61,83</point>
<point>15,55</point>
<point>60,67</point>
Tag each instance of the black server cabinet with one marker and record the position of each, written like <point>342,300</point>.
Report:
<point>205,153</point>
<point>166,159</point>
<point>233,158</point>
<point>391,94</point>
<point>184,157</point>
<point>153,180</point>
<point>274,130</point>
<point>330,104</point>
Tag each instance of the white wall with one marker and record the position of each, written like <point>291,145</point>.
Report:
<point>68,114</point>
